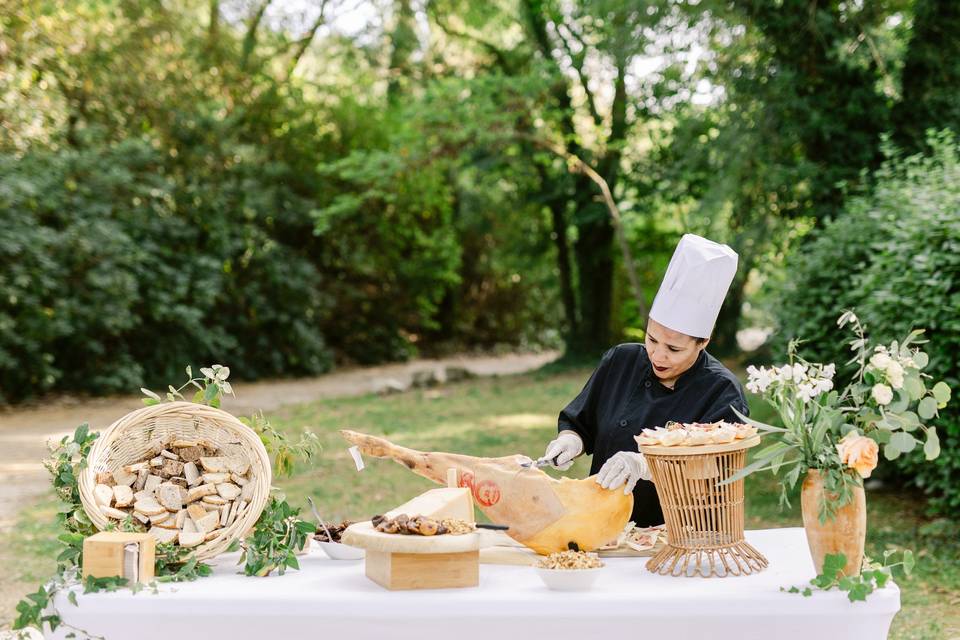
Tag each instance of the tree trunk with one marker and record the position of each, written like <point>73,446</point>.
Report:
<point>557,204</point>
<point>723,342</point>
<point>594,256</point>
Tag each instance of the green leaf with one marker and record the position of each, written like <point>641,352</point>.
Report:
<point>807,592</point>
<point>210,394</point>
<point>40,597</point>
<point>859,592</point>
<point>900,403</point>
<point>903,441</point>
<point>822,582</point>
<point>914,387</point>
<point>908,561</point>
<point>149,394</point>
<point>753,466</point>
<point>81,433</point>
<point>891,451</point>
<point>921,359</point>
<point>941,391</point>
<point>306,527</point>
<point>72,598</point>
<point>931,448</point>
<point>761,426</point>
<point>888,423</point>
<point>833,564</point>
<point>927,408</point>
<point>910,421</point>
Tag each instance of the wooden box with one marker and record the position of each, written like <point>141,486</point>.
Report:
<point>103,555</point>
<point>397,571</point>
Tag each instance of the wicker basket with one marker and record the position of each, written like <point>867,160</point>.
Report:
<point>137,434</point>
<point>704,517</point>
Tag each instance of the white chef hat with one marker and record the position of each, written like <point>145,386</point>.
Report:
<point>694,286</point>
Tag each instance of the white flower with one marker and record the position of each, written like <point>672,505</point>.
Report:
<point>882,394</point>
<point>785,372</point>
<point>829,371</point>
<point>806,391</point>
<point>823,385</point>
<point>799,372</point>
<point>760,379</point>
<point>896,381</point>
<point>880,360</point>
<point>895,374</point>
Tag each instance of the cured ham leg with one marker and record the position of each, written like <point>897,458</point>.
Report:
<point>543,513</point>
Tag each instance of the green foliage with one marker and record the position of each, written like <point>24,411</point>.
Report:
<point>285,451</point>
<point>174,563</point>
<point>898,564</point>
<point>108,274</point>
<point>276,538</point>
<point>893,255</point>
<point>67,460</point>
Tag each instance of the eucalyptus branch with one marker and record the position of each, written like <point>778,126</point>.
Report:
<point>211,387</point>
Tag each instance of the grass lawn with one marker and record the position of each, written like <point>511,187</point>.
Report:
<point>508,415</point>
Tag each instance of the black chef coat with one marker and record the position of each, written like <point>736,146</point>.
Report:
<point>624,396</point>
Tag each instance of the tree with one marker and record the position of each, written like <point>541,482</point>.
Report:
<point>931,75</point>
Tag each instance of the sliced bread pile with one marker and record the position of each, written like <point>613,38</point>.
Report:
<point>185,492</point>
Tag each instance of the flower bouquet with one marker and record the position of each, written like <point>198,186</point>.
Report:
<point>834,436</point>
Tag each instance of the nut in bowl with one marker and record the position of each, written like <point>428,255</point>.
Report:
<point>569,570</point>
<point>332,546</point>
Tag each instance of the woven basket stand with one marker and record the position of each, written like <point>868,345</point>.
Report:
<point>704,518</point>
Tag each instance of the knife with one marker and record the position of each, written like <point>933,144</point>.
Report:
<point>539,464</point>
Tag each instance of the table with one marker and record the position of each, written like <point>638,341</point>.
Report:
<point>331,599</point>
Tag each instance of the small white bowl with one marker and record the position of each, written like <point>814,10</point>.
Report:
<point>568,579</point>
<point>340,551</point>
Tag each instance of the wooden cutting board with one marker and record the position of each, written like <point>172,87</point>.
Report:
<point>505,550</point>
<point>363,535</point>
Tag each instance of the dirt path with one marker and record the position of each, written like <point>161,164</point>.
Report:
<point>25,432</point>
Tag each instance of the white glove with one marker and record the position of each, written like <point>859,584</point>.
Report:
<point>624,467</point>
<point>561,452</point>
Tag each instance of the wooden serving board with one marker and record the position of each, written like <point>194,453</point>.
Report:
<point>363,535</point>
<point>700,449</point>
<point>505,550</point>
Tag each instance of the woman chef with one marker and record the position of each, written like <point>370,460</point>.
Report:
<point>669,377</point>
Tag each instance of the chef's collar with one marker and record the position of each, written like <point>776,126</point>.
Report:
<point>684,377</point>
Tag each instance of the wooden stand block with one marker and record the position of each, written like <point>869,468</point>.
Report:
<point>398,571</point>
<point>103,555</point>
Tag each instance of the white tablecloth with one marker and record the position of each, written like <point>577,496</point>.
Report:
<point>333,599</point>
